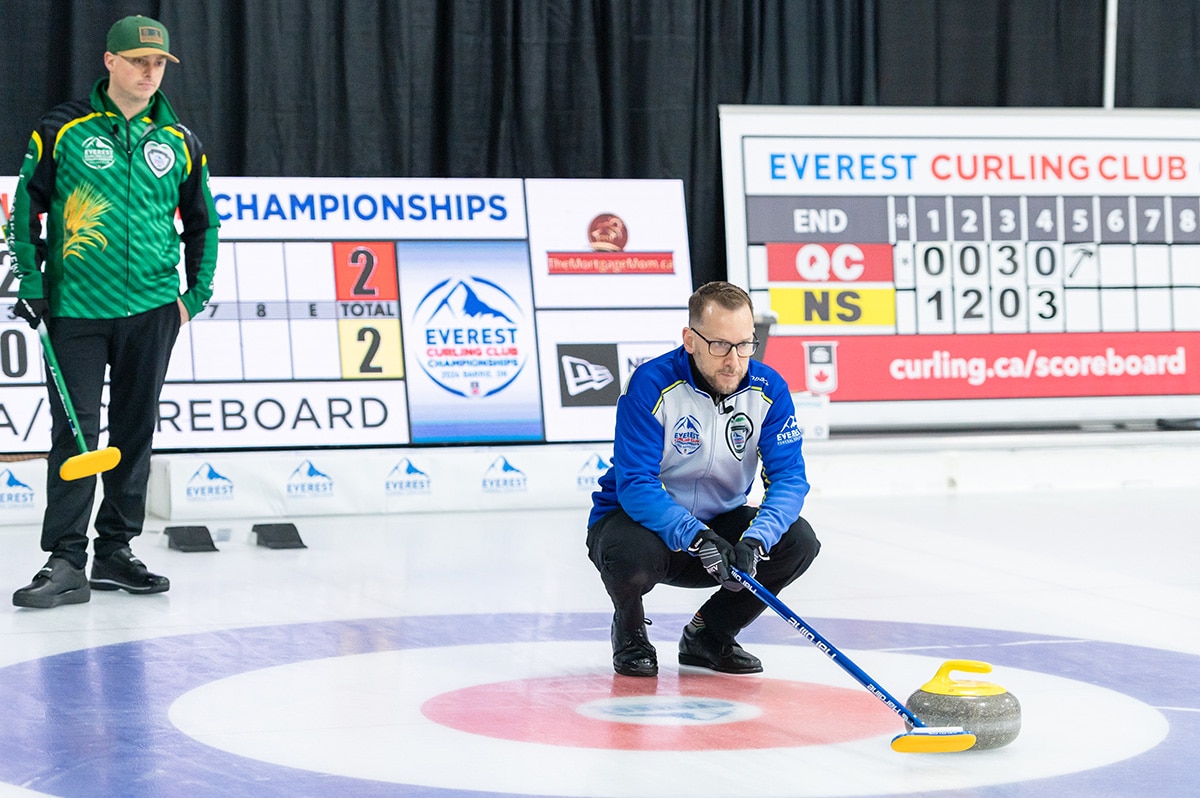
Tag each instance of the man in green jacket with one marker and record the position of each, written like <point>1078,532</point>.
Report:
<point>108,174</point>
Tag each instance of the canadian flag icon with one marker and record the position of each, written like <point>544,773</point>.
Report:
<point>820,366</point>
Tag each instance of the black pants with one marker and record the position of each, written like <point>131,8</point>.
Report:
<point>136,350</point>
<point>632,560</point>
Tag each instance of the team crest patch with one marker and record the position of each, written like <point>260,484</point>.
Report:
<point>159,157</point>
<point>686,438</point>
<point>98,152</point>
<point>738,432</point>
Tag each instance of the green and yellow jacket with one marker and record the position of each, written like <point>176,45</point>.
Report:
<point>109,189</point>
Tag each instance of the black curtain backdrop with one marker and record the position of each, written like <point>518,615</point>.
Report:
<point>578,88</point>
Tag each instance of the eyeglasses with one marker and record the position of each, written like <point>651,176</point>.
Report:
<point>722,348</point>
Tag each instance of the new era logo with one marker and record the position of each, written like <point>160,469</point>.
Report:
<point>579,375</point>
<point>588,375</point>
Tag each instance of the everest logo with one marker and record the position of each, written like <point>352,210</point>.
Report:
<point>475,334</point>
<point>589,475</point>
<point>406,479</point>
<point>791,432</point>
<point>98,152</point>
<point>14,494</point>
<point>307,482</point>
<point>206,485</point>
<point>686,435</point>
<point>503,477</point>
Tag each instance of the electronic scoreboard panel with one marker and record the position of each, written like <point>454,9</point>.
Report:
<point>972,268</point>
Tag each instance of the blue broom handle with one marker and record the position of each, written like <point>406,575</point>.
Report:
<point>825,646</point>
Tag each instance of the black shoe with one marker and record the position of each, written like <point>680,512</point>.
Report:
<point>58,583</point>
<point>705,649</point>
<point>632,653</point>
<point>123,571</point>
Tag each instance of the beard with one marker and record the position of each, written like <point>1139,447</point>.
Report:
<point>726,380</point>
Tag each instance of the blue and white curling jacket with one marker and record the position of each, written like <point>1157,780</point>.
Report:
<point>681,459</point>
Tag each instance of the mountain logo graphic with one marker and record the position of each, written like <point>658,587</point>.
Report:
<point>588,476</point>
<point>476,335</point>
<point>307,481</point>
<point>463,301</point>
<point>405,479</point>
<point>207,485</point>
<point>503,477</point>
<point>790,432</point>
<point>13,492</point>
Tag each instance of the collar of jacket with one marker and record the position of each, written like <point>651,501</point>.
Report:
<point>159,110</point>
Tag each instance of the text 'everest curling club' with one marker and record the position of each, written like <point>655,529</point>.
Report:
<point>978,167</point>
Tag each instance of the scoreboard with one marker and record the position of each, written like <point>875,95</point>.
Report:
<point>334,303</point>
<point>968,267</point>
<point>384,312</point>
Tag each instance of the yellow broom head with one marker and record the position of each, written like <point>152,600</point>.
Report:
<point>90,463</point>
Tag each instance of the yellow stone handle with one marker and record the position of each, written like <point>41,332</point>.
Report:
<point>968,665</point>
<point>942,684</point>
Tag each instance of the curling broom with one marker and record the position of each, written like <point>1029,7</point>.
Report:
<point>86,463</point>
<point>921,739</point>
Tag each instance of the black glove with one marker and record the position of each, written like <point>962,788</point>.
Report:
<point>32,310</point>
<point>746,554</point>
<point>715,555</point>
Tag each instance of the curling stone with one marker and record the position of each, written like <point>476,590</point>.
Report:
<point>986,710</point>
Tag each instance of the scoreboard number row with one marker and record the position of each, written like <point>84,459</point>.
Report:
<point>980,310</point>
<point>1045,309</point>
<point>1070,219</point>
<point>1037,263</point>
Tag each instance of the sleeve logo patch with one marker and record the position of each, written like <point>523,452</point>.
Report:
<point>791,432</point>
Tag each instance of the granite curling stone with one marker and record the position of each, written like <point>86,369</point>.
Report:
<point>986,710</point>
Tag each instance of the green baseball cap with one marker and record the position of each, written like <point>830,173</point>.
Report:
<point>135,36</point>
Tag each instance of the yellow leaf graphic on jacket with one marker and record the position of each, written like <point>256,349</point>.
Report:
<point>81,221</point>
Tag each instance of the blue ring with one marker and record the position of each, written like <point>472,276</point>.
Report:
<point>111,734</point>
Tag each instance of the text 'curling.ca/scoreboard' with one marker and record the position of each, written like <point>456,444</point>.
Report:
<point>964,266</point>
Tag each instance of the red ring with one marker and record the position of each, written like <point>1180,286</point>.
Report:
<point>544,710</point>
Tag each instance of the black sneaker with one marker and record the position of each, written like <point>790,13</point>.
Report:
<point>58,582</point>
<point>123,571</point>
<point>632,653</point>
<point>704,649</point>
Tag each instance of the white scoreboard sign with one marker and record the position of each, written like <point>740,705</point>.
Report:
<point>385,312</point>
<point>958,267</point>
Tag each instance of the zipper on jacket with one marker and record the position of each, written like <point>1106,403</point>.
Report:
<point>129,150</point>
<point>128,192</point>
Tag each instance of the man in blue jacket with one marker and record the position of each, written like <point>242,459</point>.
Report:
<point>692,426</point>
